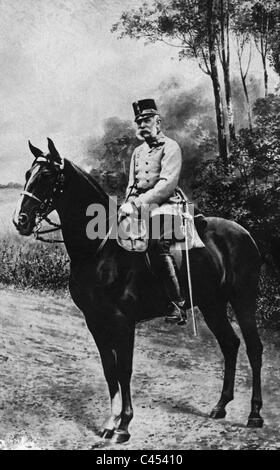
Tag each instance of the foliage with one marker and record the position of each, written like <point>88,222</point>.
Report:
<point>179,23</point>
<point>257,20</point>
<point>257,17</point>
<point>274,52</point>
<point>32,264</point>
<point>268,303</point>
<point>249,192</point>
<point>192,26</point>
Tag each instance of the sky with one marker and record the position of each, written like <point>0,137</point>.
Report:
<point>62,72</point>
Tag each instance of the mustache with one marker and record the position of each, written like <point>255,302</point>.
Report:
<point>139,136</point>
<point>143,133</point>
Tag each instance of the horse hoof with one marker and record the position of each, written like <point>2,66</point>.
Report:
<point>107,433</point>
<point>218,413</point>
<point>255,422</point>
<point>120,437</point>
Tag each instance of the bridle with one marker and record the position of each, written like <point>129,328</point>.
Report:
<point>45,207</point>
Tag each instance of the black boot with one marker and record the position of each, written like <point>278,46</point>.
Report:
<point>168,273</point>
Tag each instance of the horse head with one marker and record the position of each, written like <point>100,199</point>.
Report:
<point>42,182</point>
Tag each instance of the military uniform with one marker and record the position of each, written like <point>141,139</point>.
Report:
<point>154,174</point>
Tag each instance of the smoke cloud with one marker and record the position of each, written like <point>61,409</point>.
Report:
<point>188,116</point>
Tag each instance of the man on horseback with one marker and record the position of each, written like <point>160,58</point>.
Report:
<point>154,173</point>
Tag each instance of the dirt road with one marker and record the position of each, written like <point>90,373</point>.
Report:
<point>53,394</point>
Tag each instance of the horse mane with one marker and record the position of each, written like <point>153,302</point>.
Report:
<point>91,182</point>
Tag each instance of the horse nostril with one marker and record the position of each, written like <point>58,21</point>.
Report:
<point>22,220</point>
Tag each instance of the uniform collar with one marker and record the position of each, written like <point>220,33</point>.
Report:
<point>158,141</point>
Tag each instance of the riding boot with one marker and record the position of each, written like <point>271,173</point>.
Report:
<point>168,274</point>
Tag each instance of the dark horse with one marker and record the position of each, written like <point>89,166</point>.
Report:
<point>115,289</point>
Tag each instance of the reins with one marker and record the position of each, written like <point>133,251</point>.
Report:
<point>37,233</point>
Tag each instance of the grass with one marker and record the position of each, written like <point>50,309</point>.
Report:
<point>25,262</point>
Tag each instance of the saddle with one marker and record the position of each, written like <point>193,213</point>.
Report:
<point>133,234</point>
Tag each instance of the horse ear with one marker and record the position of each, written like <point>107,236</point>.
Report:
<point>34,150</point>
<point>53,152</point>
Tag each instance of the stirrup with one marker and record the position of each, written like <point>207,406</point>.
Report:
<point>177,316</point>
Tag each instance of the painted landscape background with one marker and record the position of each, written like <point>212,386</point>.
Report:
<point>213,68</point>
<point>69,70</point>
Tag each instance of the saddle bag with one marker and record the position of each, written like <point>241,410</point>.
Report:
<point>133,234</point>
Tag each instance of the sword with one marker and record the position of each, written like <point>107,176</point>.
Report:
<point>186,215</point>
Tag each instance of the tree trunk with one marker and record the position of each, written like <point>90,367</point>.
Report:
<point>265,76</point>
<point>263,52</point>
<point>225,60</point>
<point>240,50</point>
<point>247,101</point>
<point>229,101</point>
<point>222,141</point>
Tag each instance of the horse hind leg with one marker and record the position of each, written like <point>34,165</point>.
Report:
<point>217,321</point>
<point>244,307</point>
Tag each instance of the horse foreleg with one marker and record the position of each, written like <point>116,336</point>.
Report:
<point>124,354</point>
<point>229,343</point>
<point>108,359</point>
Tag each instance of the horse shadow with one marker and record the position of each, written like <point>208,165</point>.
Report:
<point>186,408</point>
<point>179,407</point>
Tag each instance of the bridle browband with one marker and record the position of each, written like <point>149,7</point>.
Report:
<point>27,193</point>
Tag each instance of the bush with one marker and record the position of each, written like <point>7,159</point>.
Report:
<point>248,190</point>
<point>29,263</point>
<point>268,304</point>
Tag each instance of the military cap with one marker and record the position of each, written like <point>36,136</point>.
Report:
<point>144,108</point>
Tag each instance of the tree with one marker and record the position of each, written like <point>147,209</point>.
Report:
<point>240,23</point>
<point>274,53</point>
<point>211,18</point>
<point>223,39</point>
<point>259,18</point>
<point>264,18</point>
<point>192,27</point>
<point>241,46</point>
